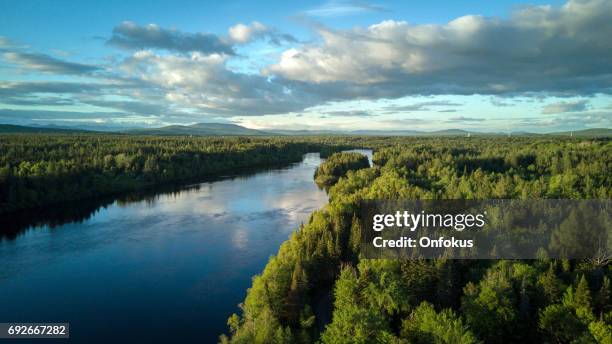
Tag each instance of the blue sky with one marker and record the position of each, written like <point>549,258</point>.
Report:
<point>481,65</point>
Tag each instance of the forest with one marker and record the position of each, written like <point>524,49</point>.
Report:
<point>38,170</point>
<point>337,165</point>
<point>319,289</point>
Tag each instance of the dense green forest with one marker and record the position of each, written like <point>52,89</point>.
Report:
<point>337,165</point>
<point>37,169</point>
<point>318,289</point>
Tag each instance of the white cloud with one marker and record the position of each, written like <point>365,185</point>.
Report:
<point>465,119</point>
<point>241,33</point>
<point>562,50</point>
<point>47,64</point>
<point>131,36</point>
<point>562,107</point>
<point>187,77</point>
<point>420,106</point>
<point>202,82</point>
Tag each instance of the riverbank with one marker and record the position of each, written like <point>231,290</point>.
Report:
<point>41,170</point>
<point>179,261</point>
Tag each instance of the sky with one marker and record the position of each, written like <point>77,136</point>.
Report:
<point>530,65</point>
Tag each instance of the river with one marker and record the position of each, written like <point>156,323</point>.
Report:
<point>167,265</point>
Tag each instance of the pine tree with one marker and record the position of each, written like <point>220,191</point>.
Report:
<point>355,238</point>
<point>583,302</point>
<point>582,296</point>
<point>294,301</point>
<point>550,284</point>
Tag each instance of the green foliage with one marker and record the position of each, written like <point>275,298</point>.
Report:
<point>37,170</point>
<point>603,296</point>
<point>378,301</point>
<point>353,321</point>
<point>375,301</point>
<point>560,323</point>
<point>582,297</point>
<point>425,326</point>
<point>550,284</point>
<point>489,307</point>
<point>337,165</point>
<point>601,332</point>
<point>356,325</point>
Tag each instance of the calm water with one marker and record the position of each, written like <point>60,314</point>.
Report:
<point>154,267</point>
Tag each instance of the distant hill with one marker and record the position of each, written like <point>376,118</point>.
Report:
<point>224,129</point>
<point>451,132</point>
<point>17,129</point>
<point>595,132</point>
<point>308,132</point>
<point>448,132</point>
<point>200,129</point>
<point>522,133</point>
<point>385,132</point>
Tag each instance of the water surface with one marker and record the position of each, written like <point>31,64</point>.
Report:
<point>165,266</point>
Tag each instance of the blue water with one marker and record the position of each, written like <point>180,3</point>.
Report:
<point>170,267</point>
